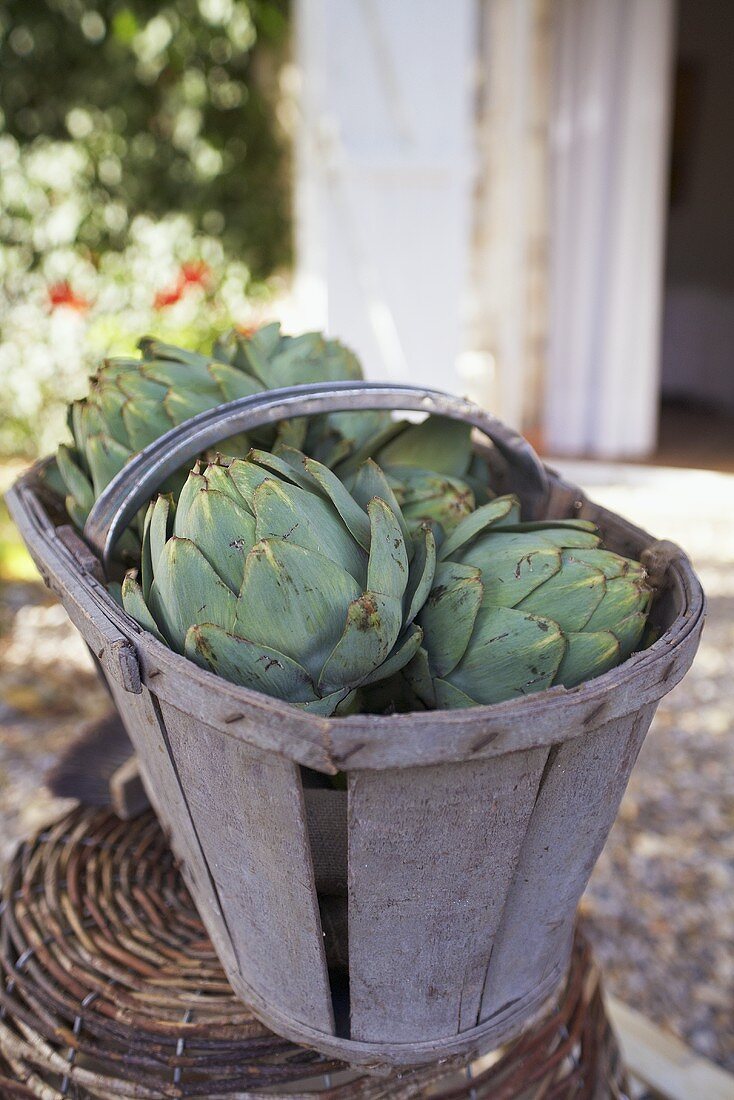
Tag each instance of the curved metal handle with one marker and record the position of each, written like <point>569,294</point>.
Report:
<point>138,480</point>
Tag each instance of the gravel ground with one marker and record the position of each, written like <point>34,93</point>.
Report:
<point>660,906</point>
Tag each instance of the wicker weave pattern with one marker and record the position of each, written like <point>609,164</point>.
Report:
<point>111,989</point>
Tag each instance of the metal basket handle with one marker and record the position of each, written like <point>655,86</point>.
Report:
<point>138,480</point>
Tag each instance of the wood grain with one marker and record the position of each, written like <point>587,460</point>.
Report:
<point>142,720</point>
<point>577,802</point>
<point>432,852</point>
<point>248,811</point>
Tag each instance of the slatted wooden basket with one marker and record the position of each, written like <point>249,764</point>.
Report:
<point>428,910</point>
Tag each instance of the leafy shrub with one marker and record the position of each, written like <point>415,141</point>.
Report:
<point>143,187</point>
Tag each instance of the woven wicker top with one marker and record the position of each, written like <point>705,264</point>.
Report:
<point>111,988</point>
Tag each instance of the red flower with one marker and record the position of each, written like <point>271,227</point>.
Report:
<point>61,294</point>
<point>165,298</point>
<point>196,273</point>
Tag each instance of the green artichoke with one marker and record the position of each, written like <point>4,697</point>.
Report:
<point>431,467</point>
<point>134,401</point>
<point>518,607</point>
<point>270,573</point>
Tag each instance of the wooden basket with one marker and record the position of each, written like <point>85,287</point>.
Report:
<point>468,836</point>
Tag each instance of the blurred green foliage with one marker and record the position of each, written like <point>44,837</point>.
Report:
<point>173,105</point>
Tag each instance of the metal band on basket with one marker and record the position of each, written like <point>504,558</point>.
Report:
<point>140,478</point>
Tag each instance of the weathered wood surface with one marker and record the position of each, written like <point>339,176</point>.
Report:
<point>577,802</point>
<point>127,792</point>
<point>432,852</point>
<point>142,720</point>
<point>667,1066</point>
<point>248,811</point>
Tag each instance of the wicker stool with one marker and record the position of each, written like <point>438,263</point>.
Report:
<point>110,988</point>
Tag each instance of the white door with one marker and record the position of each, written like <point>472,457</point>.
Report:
<point>384,193</point>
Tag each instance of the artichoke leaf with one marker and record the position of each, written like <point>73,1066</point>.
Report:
<point>403,651</point>
<point>75,480</point>
<point>133,601</point>
<point>421,573</point>
<point>587,655</point>
<point>624,596</point>
<point>449,614</point>
<point>187,592</point>
<point>138,388</point>
<point>161,354</point>
<point>355,517</point>
<point>233,383</point>
<point>159,529</point>
<point>372,627</point>
<point>511,654</point>
<point>570,597</point>
<point>286,512</point>
<point>438,444</point>
<point>370,482</point>
<point>247,476</point>
<point>291,433</point>
<point>218,477</point>
<point>110,399</point>
<point>449,697</point>
<point>77,514</point>
<point>489,515</point>
<point>181,404</point>
<point>195,482</point>
<point>243,662</point>
<point>417,676</point>
<point>144,420</point>
<point>106,458</point>
<point>611,565</point>
<point>512,566</point>
<point>629,631</point>
<point>181,375</point>
<point>337,702</point>
<point>223,531</point>
<point>146,559</point>
<point>288,464</point>
<point>387,570</point>
<point>294,600</point>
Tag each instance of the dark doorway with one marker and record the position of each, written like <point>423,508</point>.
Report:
<point>697,390</point>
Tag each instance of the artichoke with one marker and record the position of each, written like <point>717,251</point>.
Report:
<point>431,467</point>
<point>134,401</point>
<point>518,607</point>
<point>270,573</point>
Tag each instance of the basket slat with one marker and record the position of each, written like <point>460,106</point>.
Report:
<point>432,852</point>
<point>141,716</point>
<point>578,800</point>
<point>248,811</point>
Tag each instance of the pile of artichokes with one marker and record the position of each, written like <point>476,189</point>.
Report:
<point>346,562</point>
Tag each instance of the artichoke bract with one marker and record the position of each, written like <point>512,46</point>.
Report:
<point>519,607</point>
<point>431,467</point>
<point>270,573</point>
<point>134,401</point>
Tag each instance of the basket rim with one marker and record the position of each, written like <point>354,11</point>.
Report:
<point>417,737</point>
